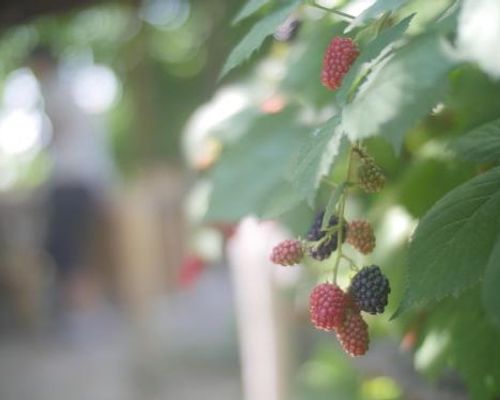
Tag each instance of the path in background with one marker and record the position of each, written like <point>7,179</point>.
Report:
<point>193,355</point>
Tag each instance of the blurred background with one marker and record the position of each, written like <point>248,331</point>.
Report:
<point>100,289</point>
<point>115,280</point>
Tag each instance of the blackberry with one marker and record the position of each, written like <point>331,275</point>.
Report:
<point>288,252</point>
<point>327,306</point>
<point>370,289</point>
<point>339,56</point>
<point>360,235</point>
<point>328,246</point>
<point>371,177</point>
<point>353,334</point>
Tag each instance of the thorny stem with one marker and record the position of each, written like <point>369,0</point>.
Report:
<point>333,11</point>
<point>340,233</point>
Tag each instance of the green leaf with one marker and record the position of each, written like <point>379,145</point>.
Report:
<point>254,39</point>
<point>250,7</point>
<point>481,145</point>
<point>453,242</point>
<point>331,206</point>
<point>400,92</point>
<point>448,20</point>
<point>251,172</point>
<point>379,7</point>
<point>474,343</point>
<point>282,199</point>
<point>490,292</point>
<point>371,51</point>
<point>437,176</point>
<point>315,158</point>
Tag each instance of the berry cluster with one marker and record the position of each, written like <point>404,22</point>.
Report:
<point>331,308</point>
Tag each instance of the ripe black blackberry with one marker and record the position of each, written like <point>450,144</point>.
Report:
<point>315,234</point>
<point>370,289</point>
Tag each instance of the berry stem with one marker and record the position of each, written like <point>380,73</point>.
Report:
<point>333,11</point>
<point>330,183</point>
<point>342,203</point>
<point>351,261</point>
<point>327,237</point>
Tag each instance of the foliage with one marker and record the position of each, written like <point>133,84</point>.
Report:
<point>410,88</point>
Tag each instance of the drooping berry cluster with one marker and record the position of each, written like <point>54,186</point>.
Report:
<point>370,289</point>
<point>339,56</point>
<point>331,308</point>
<point>327,240</point>
<point>360,235</point>
<point>288,252</point>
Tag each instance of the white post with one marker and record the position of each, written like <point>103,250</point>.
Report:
<point>262,334</point>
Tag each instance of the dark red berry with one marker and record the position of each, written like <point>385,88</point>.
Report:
<point>353,333</point>
<point>327,306</point>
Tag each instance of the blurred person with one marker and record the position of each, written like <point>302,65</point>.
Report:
<point>80,178</point>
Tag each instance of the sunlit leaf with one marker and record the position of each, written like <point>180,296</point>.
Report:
<point>377,8</point>
<point>250,7</point>
<point>399,92</point>
<point>251,173</point>
<point>371,51</point>
<point>315,158</point>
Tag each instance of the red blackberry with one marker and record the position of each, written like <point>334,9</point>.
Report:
<point>360,235</point>
<point>329,241</point>
<point>288,252</point>
<point>339,56</point>
<point>353,333</point>
<point>370,289</point>
<point>327,306</point>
